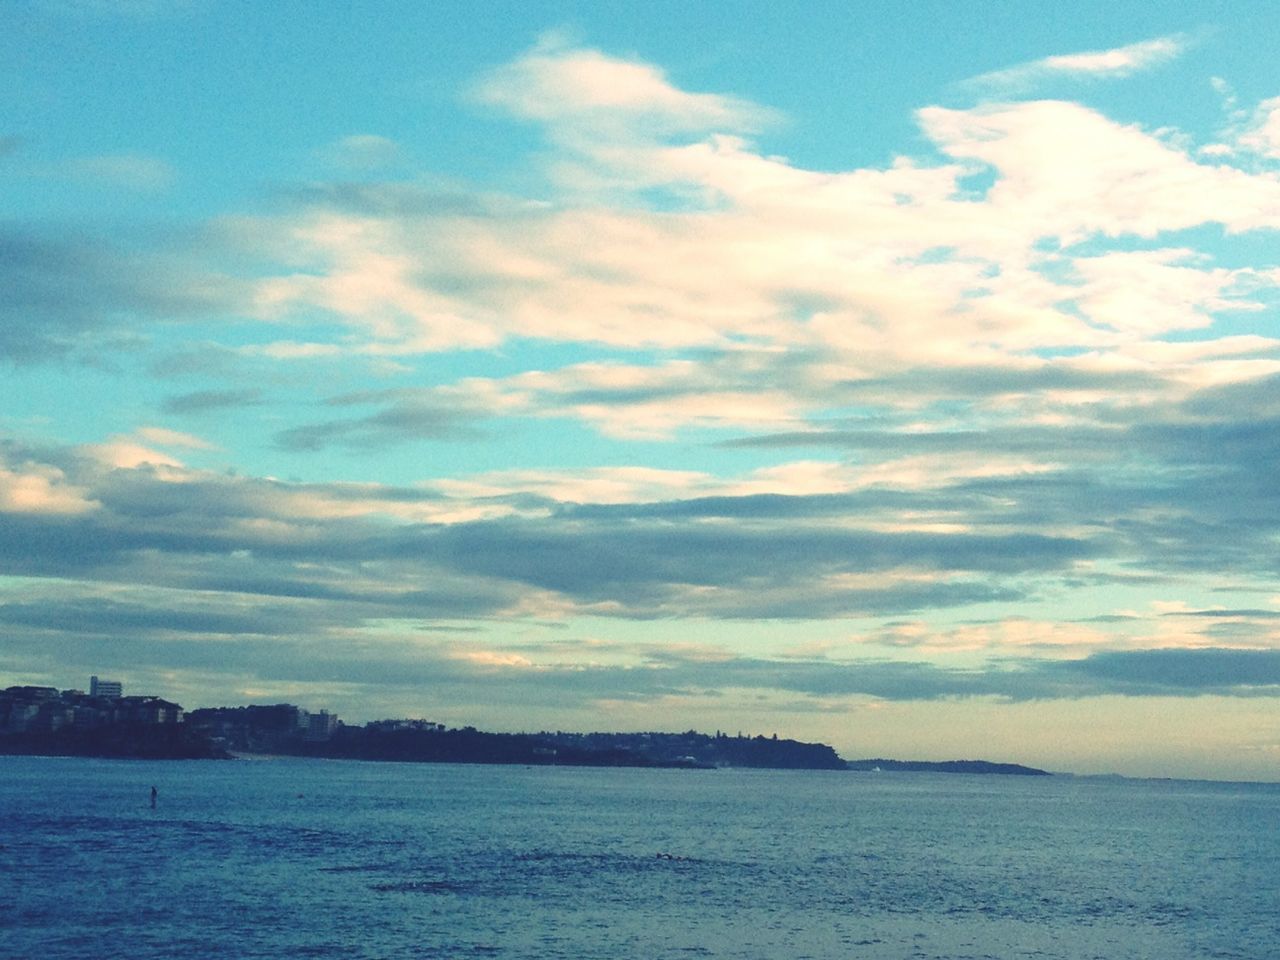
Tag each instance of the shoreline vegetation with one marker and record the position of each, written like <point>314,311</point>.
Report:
<point>43,721</point>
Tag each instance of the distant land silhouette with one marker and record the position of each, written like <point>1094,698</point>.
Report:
<point>280,729</point>
<point>45,721</point>
<point>946,766</point>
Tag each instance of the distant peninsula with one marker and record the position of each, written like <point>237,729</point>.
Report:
<point>277,729</point>
<point>946,766</point>
<point>104,723</point>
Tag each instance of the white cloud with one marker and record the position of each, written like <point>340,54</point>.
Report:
<point>799,478</point>
<point>1262,133</point>
<point>1027,636</point>
<point>125,453</point>
<point>595,485</point>
<point>173,438</point>
<point>639,484</point>
<point>766,252</point>
<point>1149,292</point>
<point>1066,171</point>
<point>1094,64</point>
<point>368,274</point>
<point>573,89</point>
<point>840,277</point>
<point>39,488</point>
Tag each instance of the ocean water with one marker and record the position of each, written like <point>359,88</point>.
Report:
<point>304,858</point>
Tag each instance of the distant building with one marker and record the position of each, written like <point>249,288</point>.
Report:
<point>45,710</point>
<point>105,688</point>
<point>257,728</point>
<point>153,710</point>
<point>52,717</point>
<point>87,718</point>
<point>20,717</point>
<point>32,694</point>
<point>321,726</point>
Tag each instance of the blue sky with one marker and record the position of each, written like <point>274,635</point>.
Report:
<point>899,376</point>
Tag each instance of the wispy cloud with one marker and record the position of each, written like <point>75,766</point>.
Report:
<point>1114,63</point>
<point>572,89</point>
<point>363,152</point>
<point>64,292</point>
<point>131,171</point>
<point>407,417</point>
<point>207,401</point>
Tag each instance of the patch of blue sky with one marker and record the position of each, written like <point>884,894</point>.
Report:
<point>975,183</point>
<point>39,405</point>
<point>83,192</point>
<point>1238,248</point>
<point>943,254</point>
<point>1061,353</point>
<point>74,91</point>
<point>1238,323</point>
<point>491,445</point>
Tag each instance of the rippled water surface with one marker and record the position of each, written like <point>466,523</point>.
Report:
<point>301,858</point>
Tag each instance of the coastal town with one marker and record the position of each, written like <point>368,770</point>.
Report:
<point>101,721</point>
<point>49,710</point>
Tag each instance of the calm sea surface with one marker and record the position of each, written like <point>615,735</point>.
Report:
<point>302,858</point>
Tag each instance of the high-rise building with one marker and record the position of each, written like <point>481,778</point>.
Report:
<point>105,688</point>
<point>321,726</point>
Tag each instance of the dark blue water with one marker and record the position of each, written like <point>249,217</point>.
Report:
<point>295,858</point>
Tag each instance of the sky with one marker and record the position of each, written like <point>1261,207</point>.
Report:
<point>904,377</point>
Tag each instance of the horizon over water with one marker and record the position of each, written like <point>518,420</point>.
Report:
<point>322,858</point>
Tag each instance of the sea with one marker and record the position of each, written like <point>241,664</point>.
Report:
<point>283,858</point>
